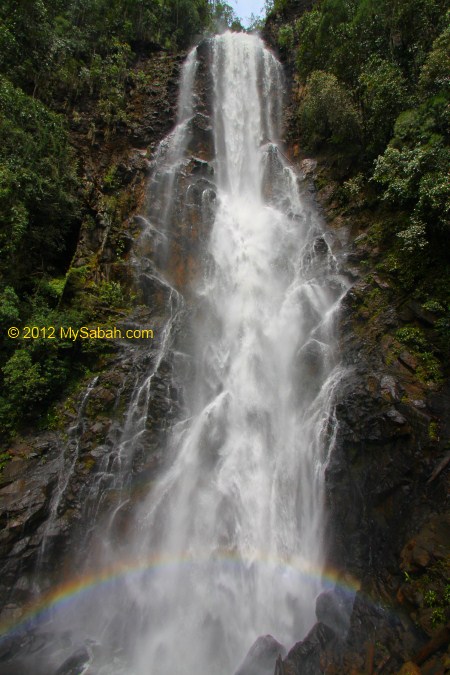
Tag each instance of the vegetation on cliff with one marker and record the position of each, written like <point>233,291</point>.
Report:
<point>374,86</point>
<point>57,59</point>
<point>373,92</point>
<point>372,104</point>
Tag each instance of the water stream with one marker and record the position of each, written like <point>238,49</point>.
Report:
<point>235,524</point>
<point>228,544</point>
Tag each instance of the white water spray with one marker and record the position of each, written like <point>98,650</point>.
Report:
<point>238,514</point>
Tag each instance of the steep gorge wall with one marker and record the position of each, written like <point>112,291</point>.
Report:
<point>60,484</point>
<point>114,165</point>
<point>387,479</point>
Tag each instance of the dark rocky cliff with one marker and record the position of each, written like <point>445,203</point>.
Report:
<point>61,483</point>
<point>114,165</point>
<point>387,479</point>
<point>387,487</point>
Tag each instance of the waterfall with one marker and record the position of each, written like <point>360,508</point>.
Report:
<point>237,515</point>
<point>228,543</point>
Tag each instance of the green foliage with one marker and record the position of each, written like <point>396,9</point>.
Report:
<point>38,203</point>
<point>223,17</point>
<point>54,287</point>
<point>412,337</point>
<point>285,37</point>
<point>447,594</point>
<point>106,77</point>
<point>54,48</point>
<point>110,179</point>
<point>64,57</point>
<point>429,367</point>
<point>4,459</point>
<point>38,368</point>
<point>413,171</point>
<point>110,293</point>
<point>435,74</point>
<point>327,113</point>
<point>311,53</point>
<point>430,598</point>
<point>29,381</point>
<point>443,329</point>
<point>383,95</point>
<point>433,435</point>
<point>353,186</point>
<point>413,237</point>
<point>377,50</point>
<point>437,617</point>
<point>27,41</point>
<point>9,307</point>
<point>188,17</point>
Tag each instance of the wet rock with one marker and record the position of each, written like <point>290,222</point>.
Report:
<point>419,404</point>
<point>381,283</point>
<point>408,360</point>
<point>23,501</point>
<point>424,315</point>
<point>431,542</point>
<point>199,167</point>
<point>320,246</point>
<point>396,417</point>
<point>135,163</point>
<point>13,470</point>
<point>308,167</point>
<point>305,657</point>
<point>353,273</point>
<point>262,657</point>
<point>202,139</point>
<point>389,387</point>
<point>75,663</point>
<point>334,609</point>
<point>326,194</point>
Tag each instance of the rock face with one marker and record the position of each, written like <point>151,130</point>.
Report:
<point>25,493</point>
<point>43,490</point>
<point>262,657</point>
<point>306,657</point>
<point>333,609</point>
<point>387,490</point>
<point>62,482</point>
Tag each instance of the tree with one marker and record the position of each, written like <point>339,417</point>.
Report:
<point>328,114</point>
<point>383,95</point>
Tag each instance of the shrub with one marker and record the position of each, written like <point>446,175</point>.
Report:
<point>38,201</point>
<point>110,293</point>
<point>383,95</point>
<point>285,37</point>
<point>435,73</point>
<point>327,113</point>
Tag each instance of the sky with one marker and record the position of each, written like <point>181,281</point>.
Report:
<point>243,8</point>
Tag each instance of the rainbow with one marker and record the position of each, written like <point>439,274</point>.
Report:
<point>63,594</point>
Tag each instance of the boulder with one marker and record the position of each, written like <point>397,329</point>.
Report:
<point>305,657</point>
<point>75,664</point>
<point>262,657</point>
<point>333,609</point>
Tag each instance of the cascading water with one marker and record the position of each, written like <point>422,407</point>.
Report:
<point>238,514</point>
<point>228,544</point>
